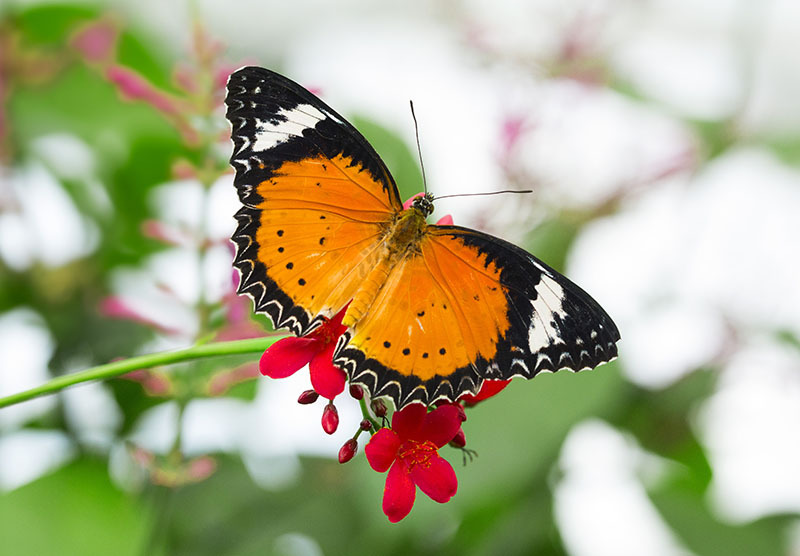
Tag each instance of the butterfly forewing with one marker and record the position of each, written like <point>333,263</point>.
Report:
<point>316,198</point>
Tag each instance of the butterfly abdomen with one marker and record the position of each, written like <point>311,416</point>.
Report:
<point>367,293</point>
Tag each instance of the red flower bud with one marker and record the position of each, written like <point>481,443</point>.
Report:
<point>348,450</point>
<point>365,425</point>
<point>379,408</point>
<point>307,397</point>
<point>330,419</point>
<point>459,440</point>
<point>356,391</point>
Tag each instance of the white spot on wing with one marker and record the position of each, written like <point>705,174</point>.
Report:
<point>269,135</point>
<point>549,302</point>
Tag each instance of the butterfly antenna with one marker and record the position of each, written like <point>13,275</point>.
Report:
<point>419,150</point>
<point>487,193</point>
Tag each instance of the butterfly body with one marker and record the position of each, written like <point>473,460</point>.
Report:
<point>431,311</point>
<point>401,239</point>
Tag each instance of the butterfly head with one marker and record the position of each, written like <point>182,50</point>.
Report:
<point>424,204</point>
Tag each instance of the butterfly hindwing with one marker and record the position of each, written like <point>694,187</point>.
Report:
<point>470,307</point>
<point>554,323</point>
<point>316,197</point>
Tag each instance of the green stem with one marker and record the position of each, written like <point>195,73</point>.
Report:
<point>366,414</point>
<point>117,368</point>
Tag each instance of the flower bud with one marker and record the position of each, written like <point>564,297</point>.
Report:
<point>330,419</point>
<point>348,450</point>
<point>365,425</point>
<point>356,391</point>
<point>459,440</point>
<point>379,408</point>
<point>307,397</point>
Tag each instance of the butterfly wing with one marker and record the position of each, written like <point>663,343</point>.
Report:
<point>316,199</point>
<point>470,307</point>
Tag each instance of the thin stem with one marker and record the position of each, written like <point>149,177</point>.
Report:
<point>365,413</point>
<point>117,368</point>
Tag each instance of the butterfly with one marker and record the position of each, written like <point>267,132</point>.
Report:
<point>434,311</point>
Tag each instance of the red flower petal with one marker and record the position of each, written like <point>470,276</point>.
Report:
<point>441,425</point>
<point>407,422</point>
<point>436,479</point>
<point>446,220</point>
<point>399,493</point>
<point>381,450</point>
<point>488,389</point>
<point>326,379</point>
<point>285,357</point>
<point>336,322</point>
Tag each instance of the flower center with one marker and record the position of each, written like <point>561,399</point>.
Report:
<point>413,452</point>
<point>325,333</point>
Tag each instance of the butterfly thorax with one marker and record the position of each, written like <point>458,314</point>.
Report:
<point>405,232</point>
<point>402,237</point>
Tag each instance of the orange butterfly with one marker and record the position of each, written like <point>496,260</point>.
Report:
<point>434,310</point>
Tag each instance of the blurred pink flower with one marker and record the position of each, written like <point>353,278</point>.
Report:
<point>115,307</point>
<point>135,87</point>
<point>155,229</point>
<point>184,77</point>
<point>223,381</point>
<point>154,384</point>
<point>167,474</point>
<point>200,468</point>
<point>514,127</point>
<point>238,308</point>
<point>96,40</point>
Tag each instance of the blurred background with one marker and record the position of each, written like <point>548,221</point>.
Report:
<point>662,141</point>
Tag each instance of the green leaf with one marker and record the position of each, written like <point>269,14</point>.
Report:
<point>659,421</point>
<point>74,511</point>
<point>401,161</point>
<point>688,515</point>
<point>551,240</point>
<point>52,24</point>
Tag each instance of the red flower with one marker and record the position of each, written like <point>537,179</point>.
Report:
<point>287,356</point>
<point>488,389</point>
<point>411,449</point>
